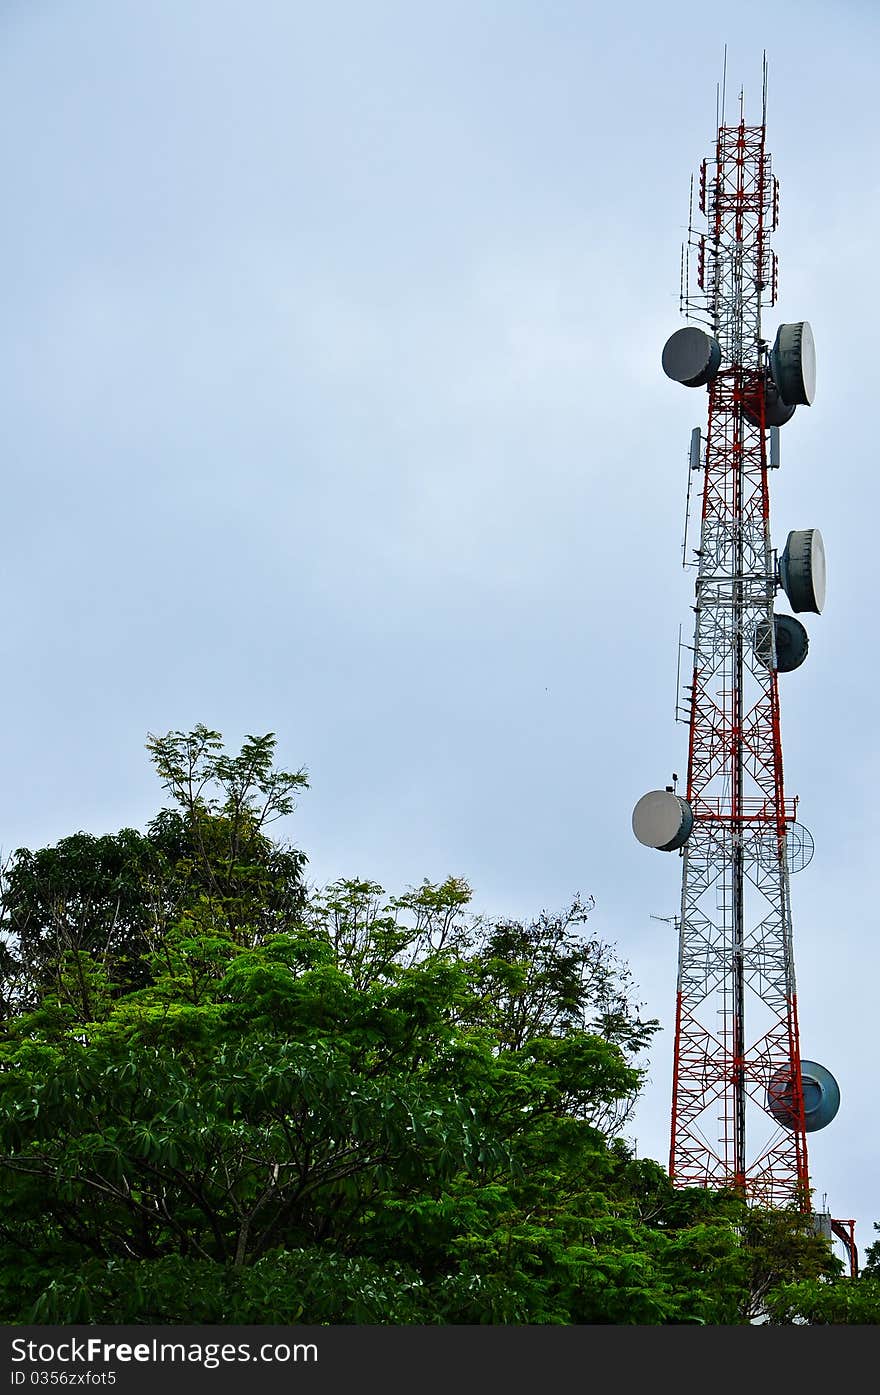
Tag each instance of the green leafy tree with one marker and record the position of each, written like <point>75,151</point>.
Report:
<point>840,1302</point>
<point>84,896</point>
<point>254,1101</point>
<point>111,900</point>
<point>871,1265</point>
<point>831,1300</point>
<point>257,1106</point>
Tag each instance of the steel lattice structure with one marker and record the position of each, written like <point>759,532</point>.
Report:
<point>743,1099</point>
<point>736,1017</point>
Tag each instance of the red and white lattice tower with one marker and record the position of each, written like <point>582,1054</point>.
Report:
<point>743,1099</point>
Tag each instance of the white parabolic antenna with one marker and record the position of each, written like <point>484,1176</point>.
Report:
<point>662,820</point>
<point>802,570</point>
<point>793,363</point>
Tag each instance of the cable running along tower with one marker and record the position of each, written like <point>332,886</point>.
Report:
<point>743,1097</point>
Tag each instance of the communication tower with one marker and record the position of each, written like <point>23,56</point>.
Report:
<point>743,1096</point>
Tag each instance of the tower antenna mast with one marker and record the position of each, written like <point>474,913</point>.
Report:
<point>743,1097</point>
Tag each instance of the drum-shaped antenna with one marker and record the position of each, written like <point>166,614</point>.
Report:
<point>662,820</point>
<point>821,1096</point>
<point>793,363</point>
<point>802,570</point>
<point>792,643</point>
<point>691,356</point>
<point>776,412</point>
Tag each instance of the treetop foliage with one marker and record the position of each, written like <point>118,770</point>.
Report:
<point>225,1097</point>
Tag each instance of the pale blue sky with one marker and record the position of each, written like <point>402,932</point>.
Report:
<point>330,347</point>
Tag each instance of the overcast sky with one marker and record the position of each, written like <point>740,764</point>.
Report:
<point>330,350</point>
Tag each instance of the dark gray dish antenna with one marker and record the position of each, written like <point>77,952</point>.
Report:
<point>691,356</point>
<point>821,1096</point>
<point>802,570</point>
<point>776,412</point>
<point>663,820</point>
<point>793,363</point>
<point>792,643</point>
